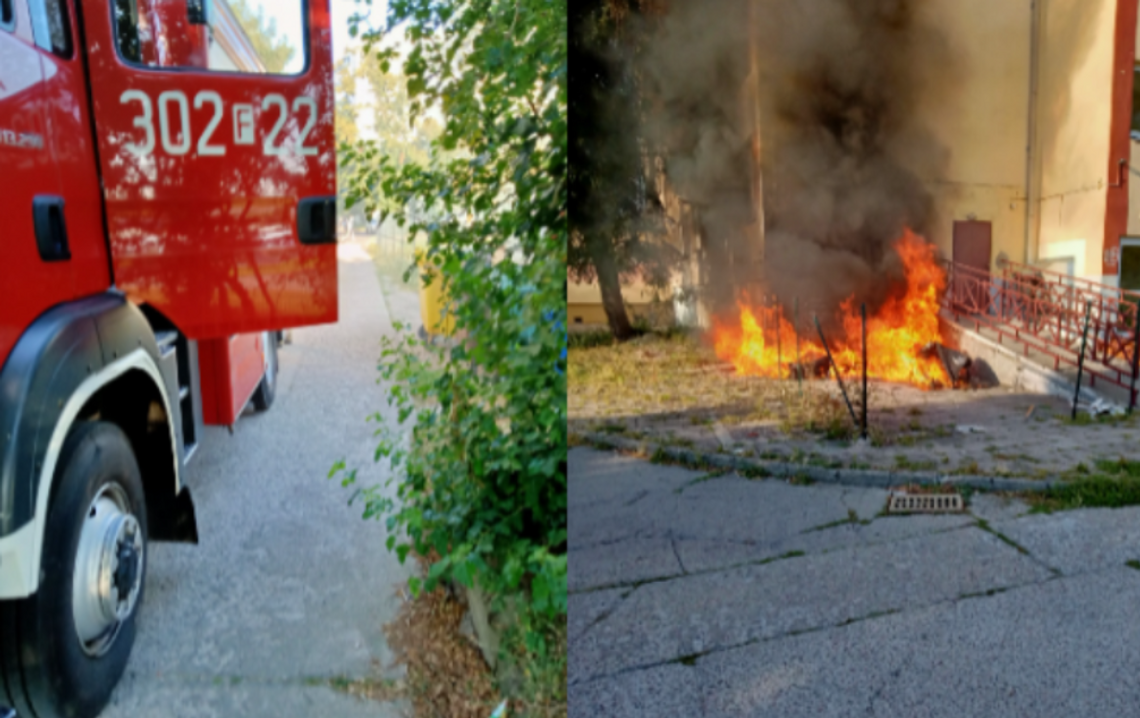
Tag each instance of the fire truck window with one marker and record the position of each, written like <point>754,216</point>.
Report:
<point>127,27</point>
<point>249,36</point>
<point>59,27</point>
<point>7,17</point>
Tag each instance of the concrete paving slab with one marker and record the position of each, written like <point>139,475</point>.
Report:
<point>701,555</point>
<point>664,691</point>
<point>733,508</point>
<point>605,477</point>
<point>194,698</point>
<point>669,620</point>
<point>1060,648</point>
<point>288,582</point>
<point>991,508</point>
<point>1079,541</point>
<point>585,609</point>
<point>622,563</point>
<point>644,513</point>
<point>1053,649</point>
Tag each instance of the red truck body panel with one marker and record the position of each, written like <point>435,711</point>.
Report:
<point>230,370</point>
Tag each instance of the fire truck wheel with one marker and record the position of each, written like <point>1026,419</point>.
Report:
<point>63,650</point>
<point>267,389</point>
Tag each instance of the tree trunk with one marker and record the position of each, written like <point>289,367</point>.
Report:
<point>610,284</point>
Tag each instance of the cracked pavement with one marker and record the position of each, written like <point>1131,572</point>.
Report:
<point>289,587</point>
<point>714,595</point>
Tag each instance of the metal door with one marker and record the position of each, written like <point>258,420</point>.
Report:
<point>972,247</point>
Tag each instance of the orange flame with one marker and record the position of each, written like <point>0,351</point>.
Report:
<point>765,342</point>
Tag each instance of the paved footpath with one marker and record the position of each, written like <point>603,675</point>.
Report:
<point>699,595</point>
<point>289,587</point>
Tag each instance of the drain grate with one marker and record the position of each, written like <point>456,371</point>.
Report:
<point>925,503</point>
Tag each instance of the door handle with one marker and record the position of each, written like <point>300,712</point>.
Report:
<point>316,220</point>
<point>51,228</point>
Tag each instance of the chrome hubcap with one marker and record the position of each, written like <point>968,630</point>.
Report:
<point>108,570</point>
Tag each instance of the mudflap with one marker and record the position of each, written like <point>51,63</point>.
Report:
<point>177,522</point>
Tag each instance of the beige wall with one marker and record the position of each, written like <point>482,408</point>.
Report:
<point>979,113</point>
<point>984,121</point>
<point>1073,120</point>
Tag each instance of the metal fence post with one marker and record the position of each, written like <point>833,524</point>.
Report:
<point>838,378</point>
<point>1081,357</point>
<point>1135,356</point>
<point>864,314</point>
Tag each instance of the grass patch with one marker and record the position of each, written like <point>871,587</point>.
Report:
<point>1133,564</point>
<point>534,656</point>
<point>664,458</point>
<point>590,339</point>
<point>905,463</point>
<point>613,428</point>
<point>824,462</point>
<point>1118,467</point>
<point>968,468</point>
<point>754,472</point>
<point>1089,492</point>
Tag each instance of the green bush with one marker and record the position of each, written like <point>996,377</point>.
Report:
<point>482,478</point>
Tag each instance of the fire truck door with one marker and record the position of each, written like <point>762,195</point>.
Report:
<point>30,282</point>
<point>217,158</point>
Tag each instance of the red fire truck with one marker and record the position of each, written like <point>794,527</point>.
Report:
<point>167,192</point>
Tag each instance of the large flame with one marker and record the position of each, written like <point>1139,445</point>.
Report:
<point>765,342</point>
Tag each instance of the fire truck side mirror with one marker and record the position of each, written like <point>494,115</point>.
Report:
<point>198,11</point>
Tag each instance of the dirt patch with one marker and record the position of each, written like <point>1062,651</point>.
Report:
<point>446,675</point>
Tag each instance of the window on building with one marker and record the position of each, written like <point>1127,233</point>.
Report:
<point>256,36</point>
<point>7,15</point>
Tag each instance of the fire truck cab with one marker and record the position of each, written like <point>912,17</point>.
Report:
<point>167,183</point>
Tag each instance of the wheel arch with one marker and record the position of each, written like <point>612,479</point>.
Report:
<point>65,369</point>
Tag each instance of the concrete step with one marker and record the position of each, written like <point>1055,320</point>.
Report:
<point>1021,365</point>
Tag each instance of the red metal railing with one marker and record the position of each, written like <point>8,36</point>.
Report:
<point>1045,312</point>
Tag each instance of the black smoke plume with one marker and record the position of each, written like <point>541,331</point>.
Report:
<point>845,161</point>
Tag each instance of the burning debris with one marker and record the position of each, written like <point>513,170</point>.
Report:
<point>964,371</point>
<point>896,334</point>
<point>903,339</point>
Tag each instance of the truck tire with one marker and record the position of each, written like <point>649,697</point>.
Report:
<point>267,390</point>
<point>63,649</point>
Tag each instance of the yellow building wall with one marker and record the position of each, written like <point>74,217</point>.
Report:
<point>584,301</point>
<point>978,111</point>
<point>1073,122</point>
